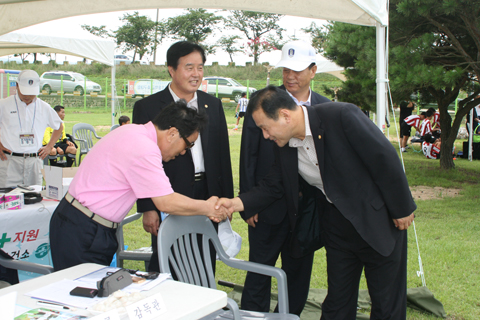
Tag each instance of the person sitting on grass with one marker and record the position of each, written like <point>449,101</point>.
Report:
<point>431,146</point>
<point>123,120</point>
<point>64,145</point>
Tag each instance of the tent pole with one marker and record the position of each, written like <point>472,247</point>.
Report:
<point>381,77</point>
<point>114,93</point>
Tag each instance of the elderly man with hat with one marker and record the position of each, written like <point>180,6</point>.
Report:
<point>270,231</point>
<point>23,120</point>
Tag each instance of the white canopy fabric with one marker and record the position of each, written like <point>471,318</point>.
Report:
<point>88,46</point>
<point>93,48</point>
<point>16,14</point>
<point>331,68</point>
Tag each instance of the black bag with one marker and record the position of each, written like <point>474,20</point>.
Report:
<point>306,237</point>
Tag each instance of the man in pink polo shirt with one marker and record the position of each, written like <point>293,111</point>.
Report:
<point>112,178</point>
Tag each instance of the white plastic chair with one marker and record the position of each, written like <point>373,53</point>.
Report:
<point>178,248</point>
<point>122,253</point>
<point>83,133</point>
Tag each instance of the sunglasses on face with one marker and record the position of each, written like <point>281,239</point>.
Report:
<point>188,143</point>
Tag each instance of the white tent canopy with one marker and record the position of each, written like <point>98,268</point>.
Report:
<point>88,46</point>
<point>331,68</point>
<point>16,14</point>
<point>93,48</point>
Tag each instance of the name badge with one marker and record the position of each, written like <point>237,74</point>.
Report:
<point>27,140</point>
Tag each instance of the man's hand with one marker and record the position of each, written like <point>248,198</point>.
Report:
<point>70,143</point>
<point>151,222</point>
<point>217,214</point>
<point>252,220</point>
<point>44,151</point>
<point>2,155</point>
<point>404,223</point>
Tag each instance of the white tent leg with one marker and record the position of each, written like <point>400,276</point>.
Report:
<point>114,94</point>
<point>381,76</point>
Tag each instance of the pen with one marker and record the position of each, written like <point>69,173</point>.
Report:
<point>53,305</point>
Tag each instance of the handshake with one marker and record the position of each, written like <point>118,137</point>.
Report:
<point>223,208</point>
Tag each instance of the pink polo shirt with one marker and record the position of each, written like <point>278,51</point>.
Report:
<point>122,167</point>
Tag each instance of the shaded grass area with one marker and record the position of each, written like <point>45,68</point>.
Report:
<point>448,230</point>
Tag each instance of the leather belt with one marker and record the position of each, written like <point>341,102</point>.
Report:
<point>199,176</point>
<point>95,217</point>
<point>25,155</point>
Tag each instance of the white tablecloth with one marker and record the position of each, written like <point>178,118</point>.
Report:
<point>24,233</point>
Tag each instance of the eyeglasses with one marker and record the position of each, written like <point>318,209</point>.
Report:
<point>188,143</point>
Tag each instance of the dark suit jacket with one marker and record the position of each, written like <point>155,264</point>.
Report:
<point>215,144</point>
<point>256,159</point>
<point>360,169</point>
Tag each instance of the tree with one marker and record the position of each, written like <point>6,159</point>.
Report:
<point>254,25</point>
<point>228,44</point>
<point>137,33</point>
<point>442,38</point>
<point>319,35</point>
<point>194,26</point>
<point>256,47</point>
<point>98,31</point>
<point>434,50</point>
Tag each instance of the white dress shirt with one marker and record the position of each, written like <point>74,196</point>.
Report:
<point>307,157</point>
<point>197,151</point>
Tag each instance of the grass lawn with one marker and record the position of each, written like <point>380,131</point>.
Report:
<point>448,228</point>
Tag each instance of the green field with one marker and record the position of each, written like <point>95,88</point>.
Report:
<point>448,228</point>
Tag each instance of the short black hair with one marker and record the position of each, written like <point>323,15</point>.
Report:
<point>429,113</point>
<point>432,109</point>
<point>186,120</point>
<point>271,99</point>
<point>123,119</point>
<point>428,137</point>
<point>58,108</point>
<point>181,49</point>
<point>244,94</point>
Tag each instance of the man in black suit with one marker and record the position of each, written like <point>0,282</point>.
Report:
<point>270,230</point>
<point>363,198</point>
<point>205,170</point>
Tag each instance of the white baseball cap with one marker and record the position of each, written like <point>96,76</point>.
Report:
<point>29,83</point>
<point>297,56</point>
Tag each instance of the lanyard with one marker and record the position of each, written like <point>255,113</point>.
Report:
<point>18,114</point>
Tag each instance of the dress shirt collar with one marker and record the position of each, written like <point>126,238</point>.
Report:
<point>298,143</point>
<point>303,103</point>
<point>191,104</point>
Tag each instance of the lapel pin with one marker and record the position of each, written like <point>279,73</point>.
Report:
<point>206,106</point>
<point>319,136</point>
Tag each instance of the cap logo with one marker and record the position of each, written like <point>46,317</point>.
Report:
<point>30,82</point>
<point>291,52</point>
